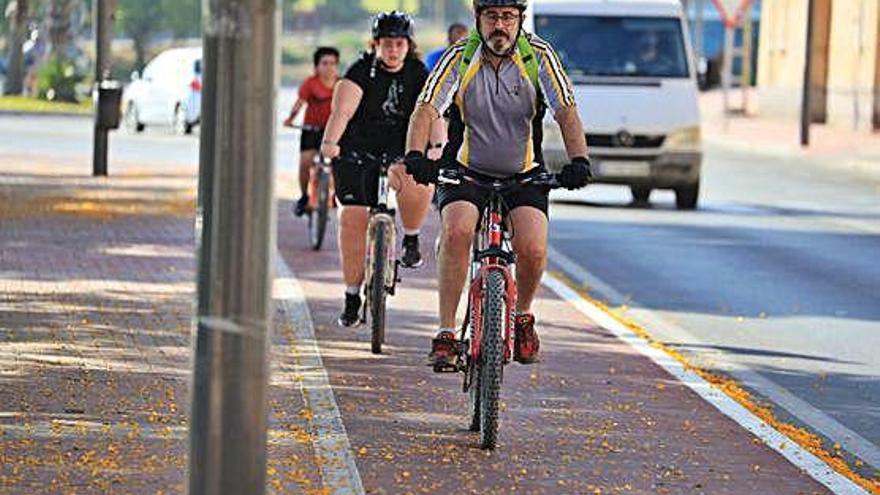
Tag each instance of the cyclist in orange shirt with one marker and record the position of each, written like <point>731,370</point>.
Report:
<point>315,94</point>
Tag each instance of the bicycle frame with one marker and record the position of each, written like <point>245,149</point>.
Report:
<point>491,252</point>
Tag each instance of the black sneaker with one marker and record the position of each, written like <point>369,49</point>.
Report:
<point>411,257</point>
<point>351,315</point>
<point>299,209</point>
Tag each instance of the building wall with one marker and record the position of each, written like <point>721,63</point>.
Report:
<point>781,56</point>
<point>852,63</point>
<point>852,58</point>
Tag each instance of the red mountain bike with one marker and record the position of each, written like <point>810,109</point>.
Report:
<point>486,342</point>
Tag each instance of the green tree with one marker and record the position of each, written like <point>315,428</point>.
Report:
<point>183,17</point>
<point>61,28</point>
<point>17,13</point>
<point>141,21</point>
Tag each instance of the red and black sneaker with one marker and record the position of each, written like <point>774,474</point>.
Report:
<point>526,343</point>
<point>444,351</point>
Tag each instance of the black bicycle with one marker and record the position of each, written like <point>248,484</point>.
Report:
<point>381,270</point>
<point>486,338</point>
<point>321,200</point>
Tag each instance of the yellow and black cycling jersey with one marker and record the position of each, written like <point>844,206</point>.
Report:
<point>498,108</point>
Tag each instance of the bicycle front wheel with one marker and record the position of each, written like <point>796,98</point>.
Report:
<point>377,292</point>
<point>491,364</point>
<point>318,218</point>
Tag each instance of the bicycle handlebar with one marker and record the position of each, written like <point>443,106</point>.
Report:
<point>456,177</point>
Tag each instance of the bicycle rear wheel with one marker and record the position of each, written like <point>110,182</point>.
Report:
<point>377,292</point>
<point>318,216</point>
<point>491,358</point>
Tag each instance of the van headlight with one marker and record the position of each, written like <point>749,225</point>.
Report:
<point>688,139</point>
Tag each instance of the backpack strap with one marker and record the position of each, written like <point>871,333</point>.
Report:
<point>529,59</point>
<point>526,52</point>
<point>473,42</point>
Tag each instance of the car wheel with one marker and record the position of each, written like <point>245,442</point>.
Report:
<point>181,126</point>
<point>132,122</point>
<point>686,197</point>
<point>640,194</point>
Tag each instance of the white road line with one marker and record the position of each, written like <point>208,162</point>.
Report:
<point>801,458</point>
<point>338,469</point>
<point>851,441</point>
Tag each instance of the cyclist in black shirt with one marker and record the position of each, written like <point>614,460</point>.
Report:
<point>370,113</point>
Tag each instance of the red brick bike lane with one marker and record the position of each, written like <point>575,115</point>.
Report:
<point>594,416</point>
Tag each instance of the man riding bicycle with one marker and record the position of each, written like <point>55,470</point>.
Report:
<point>370,110</point>
<point>500,80</point>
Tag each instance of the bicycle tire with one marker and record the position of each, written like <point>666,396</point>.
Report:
<point>318,218</point>
<point>491,357</point>
<point>377,290</point>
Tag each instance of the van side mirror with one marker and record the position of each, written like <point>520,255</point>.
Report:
<point>135,76</point>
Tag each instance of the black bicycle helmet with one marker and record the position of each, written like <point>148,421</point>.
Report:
<point>479,5</point>
<point>392,24</point>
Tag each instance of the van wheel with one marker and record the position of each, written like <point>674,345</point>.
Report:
<point>640,194</point>
<point>686,197</point>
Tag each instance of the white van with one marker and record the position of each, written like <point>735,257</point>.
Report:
<point>632,67</point>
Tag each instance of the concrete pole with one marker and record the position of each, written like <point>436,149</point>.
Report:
<point>727,71</point>
<point>806,113</point>
<point>700,29</point>
<point>746,57</point>
<point>236,235</point>
<point>104,21</point>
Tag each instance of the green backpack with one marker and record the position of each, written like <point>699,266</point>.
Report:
<point>522,43</point>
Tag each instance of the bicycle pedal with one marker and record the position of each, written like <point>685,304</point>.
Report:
<point>446,368</point>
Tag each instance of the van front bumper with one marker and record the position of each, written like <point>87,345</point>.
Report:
<point>666,170</point>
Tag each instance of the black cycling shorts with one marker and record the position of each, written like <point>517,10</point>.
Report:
<point>310,139</point>
<point>534,196</point>
<point>357,184</point>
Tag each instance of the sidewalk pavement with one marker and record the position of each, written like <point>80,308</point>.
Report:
<point>96,299</point>
<point>834,147</point>
<point>96,293</point>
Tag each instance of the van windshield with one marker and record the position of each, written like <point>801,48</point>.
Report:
<point>616,46</point>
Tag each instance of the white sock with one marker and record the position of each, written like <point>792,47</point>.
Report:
<point>450,329</point>
<point>354,290</point>
<point>412,232</point>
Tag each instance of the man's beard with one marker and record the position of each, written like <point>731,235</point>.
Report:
<point>500,42</point>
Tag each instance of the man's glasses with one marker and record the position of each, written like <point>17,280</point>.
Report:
<point>506,19</point>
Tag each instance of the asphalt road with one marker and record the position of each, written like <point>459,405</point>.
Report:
<point>775,278</point>
<point>70,138</point>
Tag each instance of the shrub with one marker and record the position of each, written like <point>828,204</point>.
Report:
<point>57,80</point>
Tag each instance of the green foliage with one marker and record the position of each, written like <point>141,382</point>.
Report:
<point>143,20</point>
<point>183,17</point>
<point>57,80</point>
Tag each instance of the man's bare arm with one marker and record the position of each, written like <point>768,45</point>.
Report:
<point>420,126</point>
<point>572,131</point>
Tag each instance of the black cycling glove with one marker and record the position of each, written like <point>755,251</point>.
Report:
<point>576,174</point>
<point>422,169</point>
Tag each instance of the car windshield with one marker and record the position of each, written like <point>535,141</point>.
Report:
<point>616,46</point>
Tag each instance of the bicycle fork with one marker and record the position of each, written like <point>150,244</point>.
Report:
<point>475,301</point>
